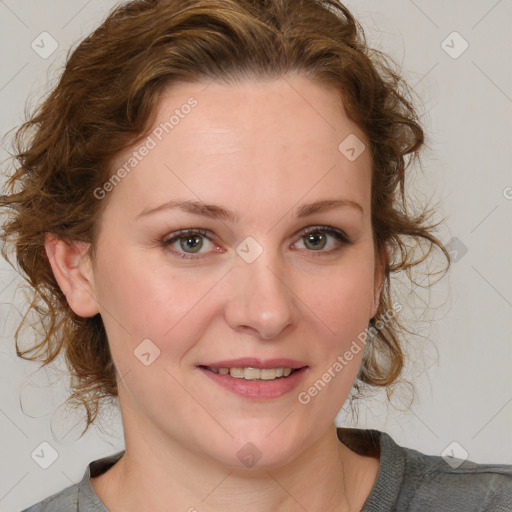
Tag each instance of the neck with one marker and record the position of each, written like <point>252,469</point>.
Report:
<point>157,473</point>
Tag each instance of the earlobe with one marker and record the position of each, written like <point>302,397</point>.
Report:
<point>72,270</point>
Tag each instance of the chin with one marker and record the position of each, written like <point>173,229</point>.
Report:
<point>260,448</point>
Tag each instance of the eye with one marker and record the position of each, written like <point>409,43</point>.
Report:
<point>316,238</point>
<point>187,243</point>
<point>191,241</point>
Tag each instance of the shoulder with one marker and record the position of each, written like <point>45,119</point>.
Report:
<point>79,497</point>
<point>433,482</point>
<point>63,501</point>
<point>411,481</point>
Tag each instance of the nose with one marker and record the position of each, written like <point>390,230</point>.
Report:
<point>261,299</point>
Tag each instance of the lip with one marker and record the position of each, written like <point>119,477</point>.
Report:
<point>254,362</point>
<point>257,389</point>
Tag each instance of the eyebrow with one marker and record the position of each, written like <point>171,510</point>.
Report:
<point>218,212</point>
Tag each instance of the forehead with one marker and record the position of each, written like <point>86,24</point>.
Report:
<point>270,138</point>
<point>283,110</point>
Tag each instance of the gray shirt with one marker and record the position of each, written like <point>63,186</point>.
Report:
<point>407,480</point>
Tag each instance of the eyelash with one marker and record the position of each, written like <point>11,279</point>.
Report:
<point>339,235</point>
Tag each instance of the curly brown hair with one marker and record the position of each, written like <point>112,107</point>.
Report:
<point>109,91</point>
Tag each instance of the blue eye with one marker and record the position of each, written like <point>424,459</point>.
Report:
<point>187,243</point>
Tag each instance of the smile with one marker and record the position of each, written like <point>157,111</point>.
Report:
<point>256,383</point>
<point>250,373</point>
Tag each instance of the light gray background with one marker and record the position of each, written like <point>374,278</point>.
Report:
<point>464,388</point>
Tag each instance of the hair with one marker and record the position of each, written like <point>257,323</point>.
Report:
<point>109,91</point>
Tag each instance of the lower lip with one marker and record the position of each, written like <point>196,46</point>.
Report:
<point>258,389</point>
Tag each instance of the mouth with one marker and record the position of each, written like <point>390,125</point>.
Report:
<point>250,373</point>
<point>255,379</point>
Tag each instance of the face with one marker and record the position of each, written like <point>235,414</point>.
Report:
<point>257,275</point>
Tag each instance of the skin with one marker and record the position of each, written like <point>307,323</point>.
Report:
<point>261,149</point>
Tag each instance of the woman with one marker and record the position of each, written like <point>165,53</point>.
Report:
<point>210,208</point>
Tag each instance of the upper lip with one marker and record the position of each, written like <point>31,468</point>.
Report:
<point>253,362</point>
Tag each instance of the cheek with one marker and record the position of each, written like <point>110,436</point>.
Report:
<point>343,297</point>
<point>158,302</point>
<point>341,309</point>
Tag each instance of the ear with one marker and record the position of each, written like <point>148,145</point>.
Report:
<point>381,263</point>
<point>73,271</point>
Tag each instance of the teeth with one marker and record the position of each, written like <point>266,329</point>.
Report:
<point>253,373</point>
